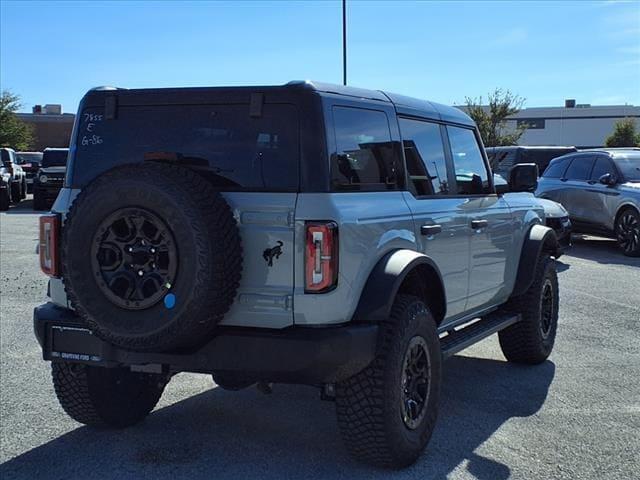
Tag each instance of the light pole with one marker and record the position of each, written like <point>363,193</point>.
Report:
<point>344,42</point>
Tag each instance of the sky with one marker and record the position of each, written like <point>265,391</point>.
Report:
<point>53,52</point>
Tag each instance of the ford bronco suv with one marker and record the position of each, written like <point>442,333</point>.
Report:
<point>308,233</point>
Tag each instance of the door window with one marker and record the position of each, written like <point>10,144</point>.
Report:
<point>579,169</point>
<point>471,172</point>
<point>424,152</point>
<point>365,158</point>
<point>601,167</point>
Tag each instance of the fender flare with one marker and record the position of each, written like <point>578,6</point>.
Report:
<point>381,288</point>
<point>537,240</point>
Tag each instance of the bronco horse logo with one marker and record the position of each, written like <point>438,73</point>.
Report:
<point>270,253</point>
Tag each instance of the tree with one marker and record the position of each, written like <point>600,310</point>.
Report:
<point>14,133</point>
<point>492,118</point>
<point>624,134</point>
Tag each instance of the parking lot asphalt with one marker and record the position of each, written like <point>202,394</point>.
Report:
<point>577,416</point>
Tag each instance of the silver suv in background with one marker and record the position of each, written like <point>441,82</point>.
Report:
<point>601,191</point>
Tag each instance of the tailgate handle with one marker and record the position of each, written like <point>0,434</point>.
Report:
<point>430,229</point>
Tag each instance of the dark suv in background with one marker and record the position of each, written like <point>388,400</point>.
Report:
<point>601,191</point>
<point>30,163</point>
<point>502,159</point>
<point>48,182</point>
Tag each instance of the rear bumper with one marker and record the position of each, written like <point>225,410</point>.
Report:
<point>293,355</point>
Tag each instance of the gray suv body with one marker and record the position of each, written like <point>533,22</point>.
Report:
<point>601,191</point>
<point>308,233</point>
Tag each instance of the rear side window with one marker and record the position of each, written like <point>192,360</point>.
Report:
<point>471,171</point>
<point>580,168</point>
<point>556,169</point>
<point>365,157</point>
<point>239,151</point>
<point>424,153</point>
<point>54,158</point>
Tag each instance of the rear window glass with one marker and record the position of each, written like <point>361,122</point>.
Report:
<point>365,158</point>
<point>54,158</point>
<point>240,151</point>
<point>28,157</point>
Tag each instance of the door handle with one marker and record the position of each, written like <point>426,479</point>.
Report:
<point>430,229</point>
<point>477,224</point>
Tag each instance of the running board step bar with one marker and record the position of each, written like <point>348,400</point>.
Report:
<point>457,340</point>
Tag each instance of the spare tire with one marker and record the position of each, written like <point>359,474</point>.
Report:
<point>151,257</point>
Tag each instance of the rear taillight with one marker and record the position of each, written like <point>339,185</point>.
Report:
<point>49,233</point>
<point>321,257</point>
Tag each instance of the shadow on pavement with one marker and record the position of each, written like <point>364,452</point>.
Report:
<point>25,207</point>
<point>290,434</point>
<point>601,250</point>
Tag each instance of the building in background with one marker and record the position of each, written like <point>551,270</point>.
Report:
<point>581,125</point>
<point>51,127</point>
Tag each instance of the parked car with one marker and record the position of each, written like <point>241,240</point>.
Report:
<point>503,158</point>
<point>601,191</point>
<point>48,182</point>
<point>306,233</point>
<point>30,163</point>
<point>14,177</point>
<point>5,189</point>
<point>555,215</point>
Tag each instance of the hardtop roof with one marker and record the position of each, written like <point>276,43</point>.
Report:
<point>404,105</point>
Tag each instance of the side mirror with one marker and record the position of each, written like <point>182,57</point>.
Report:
<point>608,179</point>
<point>500,184</point>
<point>523,177</point>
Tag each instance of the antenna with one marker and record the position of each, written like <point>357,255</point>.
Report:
<point>344,42</point>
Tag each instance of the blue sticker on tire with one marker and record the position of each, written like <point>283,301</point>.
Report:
<point>170,300</point>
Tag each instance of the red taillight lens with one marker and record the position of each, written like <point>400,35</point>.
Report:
<point>49,233</point>
<point>321,257</point>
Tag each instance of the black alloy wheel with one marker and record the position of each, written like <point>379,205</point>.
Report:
<point>628,232</point>
<point>547,307</point>
<point>134,258</point>
<point>415,382</point>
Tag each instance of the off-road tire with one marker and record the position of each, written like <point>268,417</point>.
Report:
<point>39,202</point>
<point>633,217</point>
<point>369,404</point>
<point>106,397</point>
<point>529,341</point>
<point>16,194</point>
<point>206,239</point>
<point>5,199</point>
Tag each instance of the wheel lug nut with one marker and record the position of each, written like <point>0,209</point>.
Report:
<point>140,273</point>
<point>130,249</point>
<point>153,250</point>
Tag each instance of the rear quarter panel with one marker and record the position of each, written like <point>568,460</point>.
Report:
<point>369,225</point>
